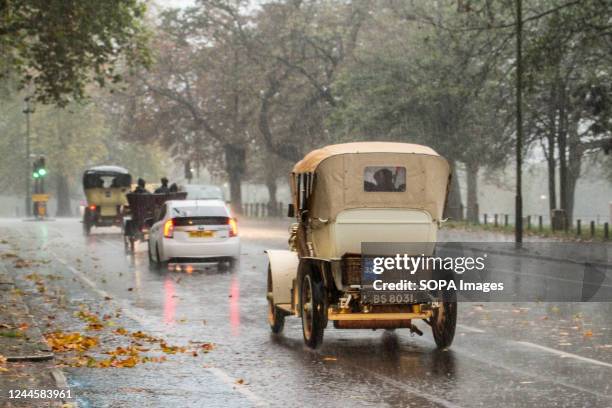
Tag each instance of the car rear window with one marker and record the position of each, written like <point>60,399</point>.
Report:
<point>200,211</point>
<point>384,178</point>
<point>201,192</point>
<point>183,221</point>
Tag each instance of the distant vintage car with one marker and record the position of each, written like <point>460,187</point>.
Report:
<point>143,208</point>
<point>345,195</point>
<point>105,188</point>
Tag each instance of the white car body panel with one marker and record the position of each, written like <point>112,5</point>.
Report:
<point>182,245</point>
<point>284,266</point>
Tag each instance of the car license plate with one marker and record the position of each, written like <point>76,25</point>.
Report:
<point>387,298</point>
<point>201,234</point>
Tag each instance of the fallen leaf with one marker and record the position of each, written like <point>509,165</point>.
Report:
<point>95,326</point>
<point>62,342</point>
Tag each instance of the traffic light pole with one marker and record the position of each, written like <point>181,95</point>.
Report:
<point>28,186</point>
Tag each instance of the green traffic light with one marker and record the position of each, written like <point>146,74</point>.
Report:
<point>35,175</point>
<point>42,172</point>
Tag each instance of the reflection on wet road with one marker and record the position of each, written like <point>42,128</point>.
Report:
<point>515,355</point>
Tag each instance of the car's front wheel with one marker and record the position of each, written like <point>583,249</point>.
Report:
<point>312,307</point>
<point>276,317</point>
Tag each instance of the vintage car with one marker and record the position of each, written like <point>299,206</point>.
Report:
<point>143,210</point>
<point>346,195</point>
<point>105,188</point>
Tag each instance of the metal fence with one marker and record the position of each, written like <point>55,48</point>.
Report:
<point>582,225</point>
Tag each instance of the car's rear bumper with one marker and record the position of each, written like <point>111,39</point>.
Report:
<point>228,248</point>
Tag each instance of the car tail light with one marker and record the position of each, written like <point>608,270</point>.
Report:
<point>233,227</point>
<point>169,228</point>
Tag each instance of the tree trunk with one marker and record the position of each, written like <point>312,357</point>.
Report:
<point>562,146</point>
<point>454,207</point>
<point>472,192</point>
<point>271,185</point>
<point>63,197</point>
<point>552,174</point>
<point>575,152</point>
<point>235,157</point>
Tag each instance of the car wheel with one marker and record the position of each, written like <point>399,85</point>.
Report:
<point>444,321</point>
<point>312,307</point>
<point>233,264</point>
<point>276,317</point>
<point>159,263</point>
<point>86,226</point>
<point>152,262</point>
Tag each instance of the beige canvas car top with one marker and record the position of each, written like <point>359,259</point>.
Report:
<point>339,183</point>
<point>312,160</point>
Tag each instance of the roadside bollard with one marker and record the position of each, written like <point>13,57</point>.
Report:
<point>578,228</point>
<point>529,222</point>
<point>540,223</point>
<point>606,232</point>
<point>592,229</point>
<point>495,223</point>
<point>505,220</point>
<point>485,219</point>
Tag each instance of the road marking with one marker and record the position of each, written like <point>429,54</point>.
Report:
<point>470,329</point>
<point>126,310</point>
<point>565,354</point>
<point>416,391</point>
<point>250,395</point>
<point>408,388</point>
<point>102,293</point>
<point>111,243</point>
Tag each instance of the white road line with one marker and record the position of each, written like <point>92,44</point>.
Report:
<point>102,293</point>
<point>217,372</point>
<point>408,388</point>
<point>564,354</point>
<point>107,242</point>
<point>250,395</point>
<point>470,329</point>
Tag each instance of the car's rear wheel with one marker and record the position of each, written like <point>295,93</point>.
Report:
<point>276,317</point>
<point>444,321</point>
<point>152,262</point>
<point>86,226</point>
<point>312,308</point>
<point>158,261</point>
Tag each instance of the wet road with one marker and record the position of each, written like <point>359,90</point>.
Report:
<point>505,355</point>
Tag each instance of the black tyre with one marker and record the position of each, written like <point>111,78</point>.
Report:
<point>312,308</point>
<point>152,262</point>
<point>276,317</point>
<point>444,321</point>
<point>86,227</point>
<point>161,264</point>
<point>132,244</point>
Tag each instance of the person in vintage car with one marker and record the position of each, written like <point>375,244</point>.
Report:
<point>352,201</point>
